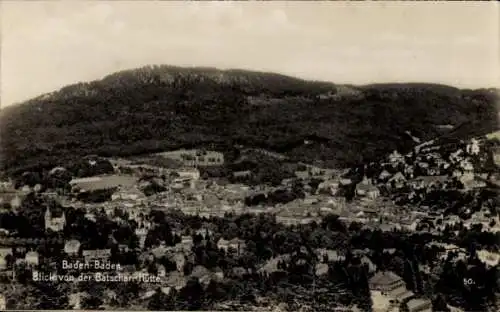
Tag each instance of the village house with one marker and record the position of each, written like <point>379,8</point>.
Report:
<point>330,187</point>
<point>218,274</point>
<point>123,248</point>
<point>395,157</point>
<point>176,279</point>
<point>5,253</point>
<point>3,303</point>
<point>141,235</point>
<point>203,275</point>
<point>466,166</point>
<point>161,271</point>
<point>204,233</point>
<point>489,258</point>
<point>186,243</point>
<point>54,224</point>
<point>321,269</point>
<point>12,198</point>
<point>32,258</point>
<point>398,180</point>
<point>496,155</point>
<point>90,216</point>
<point>423,182</point>
<point>75,300</point>
<point>189,173</point>
<point>369,264</point>
<point>329,255</point>
<point>345,181</point>
<point>72,247</point>
<point>386,282</point>
<point>242,174</point>
<point>367,190</point>
<point>96,254</point>
<point>237,244</point>
<point>3,263</point>
<point>131,194</point>
<point>180,261</point>
<point>473,147</point>
<point>384,175</point>
<point>303,175</point>
<point>272,265</point>
<point>419,305</point>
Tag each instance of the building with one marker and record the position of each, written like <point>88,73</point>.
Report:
<point>473,147</point>
<point>54,224</point>
<point>195,157</point>
<point>329,255</point>
<point>72,247</point>
<point>496,155</point>
<point>428,181</point>
<point>190,173</point>
<point>237,244</point>
<point>202,274</point>
<point>32,258</point>
<point>395,157</point>
<point>419,305</point>
<point>96,254</point>
<point>141,235</point>
<point>3,303</point>
<point>180,261</point>
<point>242,174</point>
<point>384,175</point>
<point>367,190</point>
<point>386,282</point>
<point>12,198</point>
<point>131,193</point>
<point>398,180</point>
<point>369,264</point>
<point>330,187</point>
<point>4,252</point>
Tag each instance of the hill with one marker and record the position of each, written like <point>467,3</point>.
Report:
<point>162,107</point>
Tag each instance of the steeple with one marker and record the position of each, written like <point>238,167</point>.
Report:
<point>48,218</point>
<point>48,214</point>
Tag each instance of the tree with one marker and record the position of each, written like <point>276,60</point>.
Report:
<point>191,296</point>
<point>159,301</point>
<point>91,302</point>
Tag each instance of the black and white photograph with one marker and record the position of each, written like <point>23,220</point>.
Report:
<point>250,156</point>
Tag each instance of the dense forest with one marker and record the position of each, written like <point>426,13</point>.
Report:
<point>157,108</point>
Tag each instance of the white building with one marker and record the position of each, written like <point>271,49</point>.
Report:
<point>54,224</point>
<point>191,173</point>
<point>3,303</point>
<point>72,247</point>
<point>473,147</point>
<point>395,157</point>
<point>419,305</point>
<point>141,234</point>
<point>32,258</point>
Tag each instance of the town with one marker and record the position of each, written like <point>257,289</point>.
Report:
<point>416,231</point>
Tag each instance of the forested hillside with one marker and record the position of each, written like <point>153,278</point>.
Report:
<point>158,108</point>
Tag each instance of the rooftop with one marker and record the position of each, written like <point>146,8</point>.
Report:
<point>384,278</point>
<point>415,303</point>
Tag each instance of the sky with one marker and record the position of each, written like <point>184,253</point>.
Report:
<point>46,45</point>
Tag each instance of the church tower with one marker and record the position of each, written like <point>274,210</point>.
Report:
<point>48,218</point>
